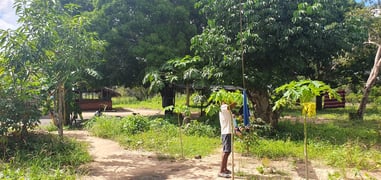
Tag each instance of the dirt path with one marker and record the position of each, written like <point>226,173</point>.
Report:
<point>111,161</point>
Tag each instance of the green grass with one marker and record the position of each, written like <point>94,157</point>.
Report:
<point>151,103</point>
<point>131,102</point>
<point>159,135</point>
<point>42,156</point>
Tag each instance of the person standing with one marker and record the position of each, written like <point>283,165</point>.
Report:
<point>225,117</point>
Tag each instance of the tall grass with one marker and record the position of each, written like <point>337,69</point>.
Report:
<point>42,156</point>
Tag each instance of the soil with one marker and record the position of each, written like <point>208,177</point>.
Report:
<point>111,161</point>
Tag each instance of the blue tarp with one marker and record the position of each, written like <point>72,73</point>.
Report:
<point>246,113</point>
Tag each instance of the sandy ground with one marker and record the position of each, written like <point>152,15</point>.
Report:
<point>111,161</point>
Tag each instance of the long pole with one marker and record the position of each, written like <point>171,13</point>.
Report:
<point>241,43</point>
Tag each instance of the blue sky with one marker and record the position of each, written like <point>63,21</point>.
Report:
<point>8,18</point>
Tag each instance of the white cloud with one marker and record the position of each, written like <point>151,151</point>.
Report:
<point>8,18</point>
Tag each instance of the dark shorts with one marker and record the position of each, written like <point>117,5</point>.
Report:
<point>226,143</point>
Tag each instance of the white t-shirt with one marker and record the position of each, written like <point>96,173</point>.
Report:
<point>225,120</point>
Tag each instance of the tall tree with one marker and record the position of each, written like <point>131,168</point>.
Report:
<point>280,40</point>
<point>56,44</point>
<point>143,34</point>
<point>371,22</point>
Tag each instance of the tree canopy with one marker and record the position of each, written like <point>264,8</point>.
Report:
<point>143,34</point>
<point>256,44</point>
<point>279,41</point>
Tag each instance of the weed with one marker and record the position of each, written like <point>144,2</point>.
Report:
<point>42,156</point>
<point>195,128</point>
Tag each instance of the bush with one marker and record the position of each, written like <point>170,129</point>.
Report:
<point>17,114</point>
<point>135,124</point>
<point>195,128</point>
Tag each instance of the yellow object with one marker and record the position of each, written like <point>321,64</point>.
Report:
<point>309,109</point>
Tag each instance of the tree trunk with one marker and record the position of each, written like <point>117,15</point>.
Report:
<point>369,84</point>
<point>187,93</point>
<point>262,107</point>
<point>61,104</point>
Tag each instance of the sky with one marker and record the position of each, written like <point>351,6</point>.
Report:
<point>8,18</point>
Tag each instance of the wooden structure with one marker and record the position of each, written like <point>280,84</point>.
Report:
<point>97,99</point>
<point>334,103</point>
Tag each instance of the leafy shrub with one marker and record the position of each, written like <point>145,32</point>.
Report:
<point>195,128</point>
<point>17,114</point>
<point>353,98</point>
<point>135,124</point>
<point>161,124</point>
<point>42,156</point>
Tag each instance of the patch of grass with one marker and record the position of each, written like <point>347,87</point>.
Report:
<point>151,103</point>
<point>132,102</point>
<point>336,133</point>
<point>42,156</point>
<point>50,127</point>
<point>105,127</point>
<point>161,137</point>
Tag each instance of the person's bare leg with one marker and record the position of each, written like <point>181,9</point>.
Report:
<point>224,162</point>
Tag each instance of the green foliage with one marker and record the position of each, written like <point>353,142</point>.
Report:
<point>355,155</point>
<point>275,149</point>
<point>303,90</point>
<point>336,133</point>
<point>105,127</point>
<point>353,98</point>
<point>196,128</point>
<point>181,109</point>
<point>135,124</point>
<point>251,134</point>
<point>160,124</point>
<point>42,156</point>
<point>131,102</point>
<point>198,99</point>
<point>220,96</point>
<point>142,34</point>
